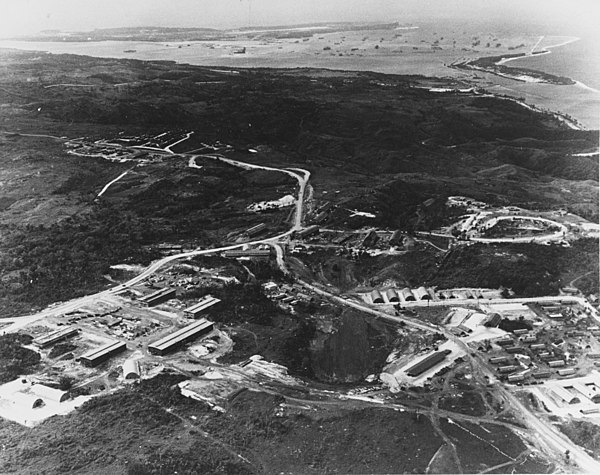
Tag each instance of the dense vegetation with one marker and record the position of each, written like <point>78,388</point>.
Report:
<point>60,349</point>
<point>45,263</point>
<point>583,433</point>
<point>125,432</point>
<point>490,64</point>
<point>579,264</point>
<point>387,150</point>
<point>530,270</point>
<point>67,259</point>
<point>16,360</point>
<point>383,148</point>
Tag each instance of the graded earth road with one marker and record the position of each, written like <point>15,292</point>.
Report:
<point>553,442</point>
<point>301,175</point>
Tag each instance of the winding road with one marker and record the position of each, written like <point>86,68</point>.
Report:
<point>301,175</point>
<point>547,437</point>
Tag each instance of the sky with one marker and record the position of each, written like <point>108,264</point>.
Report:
<point>20,17</point>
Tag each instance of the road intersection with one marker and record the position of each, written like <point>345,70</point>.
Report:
<point>548,439</point>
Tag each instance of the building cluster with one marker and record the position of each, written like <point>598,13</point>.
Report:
<point>114,151</point>
<point>186,277</point>
<point>286,295</point>
<point>128,327</point>
<point>554,349</point>
<point>405,295</point>
<point>306,233</point>
<point>576,392</point>
<point>285,201</point>
<point>462,322</point>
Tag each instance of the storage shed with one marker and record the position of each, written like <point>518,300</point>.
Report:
<point>131,369</point>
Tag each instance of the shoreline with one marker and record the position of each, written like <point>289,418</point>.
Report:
<point>498,65</point>
<point>590,125</point>
<point>548,50</point>
<point>571,123</point>
<point>544,51</point>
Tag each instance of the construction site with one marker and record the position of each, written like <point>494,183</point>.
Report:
<point>115,340</point>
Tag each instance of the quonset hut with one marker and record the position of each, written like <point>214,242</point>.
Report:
<point>376,296</point>
<point>407,295</point>
<point>562,395</point>
<point>131,369</point>
<point>392,295</point>
<point>492,320</point>
<point>49,394</point>
<point>588,391</point>
<point>422,294</point>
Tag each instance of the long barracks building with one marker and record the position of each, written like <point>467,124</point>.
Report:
<point>99,355</point>
<point>198,308</point>
<point>180,337</point>
<point>158,297</point>
<point>427,363</point>
<point>54,337</point>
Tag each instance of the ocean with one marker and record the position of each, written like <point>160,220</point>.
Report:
<point>578,60</point>
<point>395,52</point>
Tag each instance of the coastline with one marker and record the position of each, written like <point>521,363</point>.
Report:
<point>545,50</point>
<point>581,101</point>
<point>495,65</point>
<point>548,50</point>
<point>569,122</point>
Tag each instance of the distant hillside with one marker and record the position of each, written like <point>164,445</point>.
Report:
<point>372,142</point>
<point>155,33</point>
